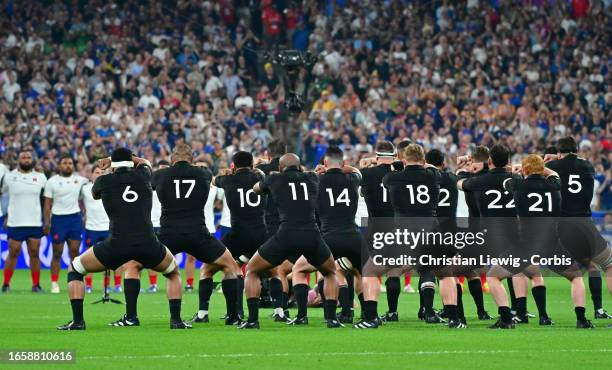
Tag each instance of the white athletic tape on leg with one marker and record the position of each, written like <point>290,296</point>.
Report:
<point>344,263</point>
<point>428,284</point>
<point>243,259</point>
<point>78,266</point>
<point>170,267</point>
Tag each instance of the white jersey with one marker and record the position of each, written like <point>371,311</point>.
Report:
<point>96,218</point>
<point>24,190</point>
<point>3,171</point>
<point>65,192</point>
<point>209,209</point>
<point>362,210</point>
<point>156,211</point>
<point>226,219</point>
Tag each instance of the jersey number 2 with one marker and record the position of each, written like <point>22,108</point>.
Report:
<point>177,187</point>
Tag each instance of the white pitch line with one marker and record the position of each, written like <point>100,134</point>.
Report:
<point>331,354</point>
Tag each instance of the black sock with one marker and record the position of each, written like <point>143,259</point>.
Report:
<point>476,292</point>
<point>205,290</point>
<point>451,311</point>
<point>285,301</point>
<point>253,306</point>
<point>343,297</point>
<point>512,295</point>
<point>521,306</point>
<point>240,299</point>
<point>428,298</point>
<point>276,292</point>
<point>580,313</point>
<point>77,310</point>
<point>420,293</point>
<point>505,314</point>
<point>539,296</point>
<point>175,310</point>
<point>230,291</point>
<point>300,292</point>
<point>595,288</point>
<point>131,289</point>
<point>351,292</point>
<point>460,313</point>
<point>321,289</point>
<point>329,306</point>
<point>370,309</point>
<point>393,292</point>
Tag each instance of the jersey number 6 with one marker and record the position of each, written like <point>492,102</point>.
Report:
<point>129,195</point>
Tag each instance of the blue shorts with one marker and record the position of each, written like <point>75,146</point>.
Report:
<point>93,237</point>
<point>65,227</point>
<point>223,230</point>
<point>24,233</point>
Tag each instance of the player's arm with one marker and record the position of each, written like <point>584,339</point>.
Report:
<point>140,161</point>
<point>550,173</point>
<point>217,180</point>
<point>96,189</point>
<point>263,186</point>
<point>47,205</point>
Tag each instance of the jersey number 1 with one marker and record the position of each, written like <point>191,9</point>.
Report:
<point>177,187</point>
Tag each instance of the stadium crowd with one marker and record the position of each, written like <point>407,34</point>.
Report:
<point>81,78</point>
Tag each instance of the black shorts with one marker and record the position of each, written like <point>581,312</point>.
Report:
<point>345,243</point>
<point>272,227</point>
<point>580,237</point>
<point>292,243</point>
<point>200,244</point>
<point>113,253</point>
<point>244,242</point>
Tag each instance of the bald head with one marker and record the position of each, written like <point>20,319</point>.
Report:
<point>289,160</point>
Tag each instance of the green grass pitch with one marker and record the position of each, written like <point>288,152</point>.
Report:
<point>28,322</point>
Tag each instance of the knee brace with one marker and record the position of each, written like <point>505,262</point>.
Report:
<point>74,276</point>
<point>78,266</point>
<point>170,268</point>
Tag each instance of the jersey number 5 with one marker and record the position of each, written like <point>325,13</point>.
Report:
<point>177,187</point>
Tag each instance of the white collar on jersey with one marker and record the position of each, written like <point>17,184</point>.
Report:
<point>122,164</point>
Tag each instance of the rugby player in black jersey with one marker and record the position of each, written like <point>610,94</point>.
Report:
<point>414,193</point>
<point>337,205</point>
<point>477,167</point>
<point>279,287</point>
<point>246,208</point>
<point>376,197</point>
<point>493,201</point>
<point>126,195</point>
<point>296,194</point>
<point>578,234</point>
<point>537,198</point>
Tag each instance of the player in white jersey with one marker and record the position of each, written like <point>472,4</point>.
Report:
<point>3,171</point>
<point>24,187</point>
<point>156,211</point>
<point>62,214</point>
<point>226,217</point>
<point>96,225</point>
<point>209,217</point>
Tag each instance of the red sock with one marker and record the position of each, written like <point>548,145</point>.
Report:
<point>243,268</point>
<point>35,278</point>
<point>117,280</point>
<point>461,279</point>
<point>153,279</point>
<point>308,278</point>
<point>407,278</point>
<point>88,281</point>
<point>190,281</point>
<point>8,274</point>
<point>54,278</point>
<point>483,279</point>
<point>106,280</point>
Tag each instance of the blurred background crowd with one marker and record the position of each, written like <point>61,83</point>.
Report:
<point>82,77</point>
